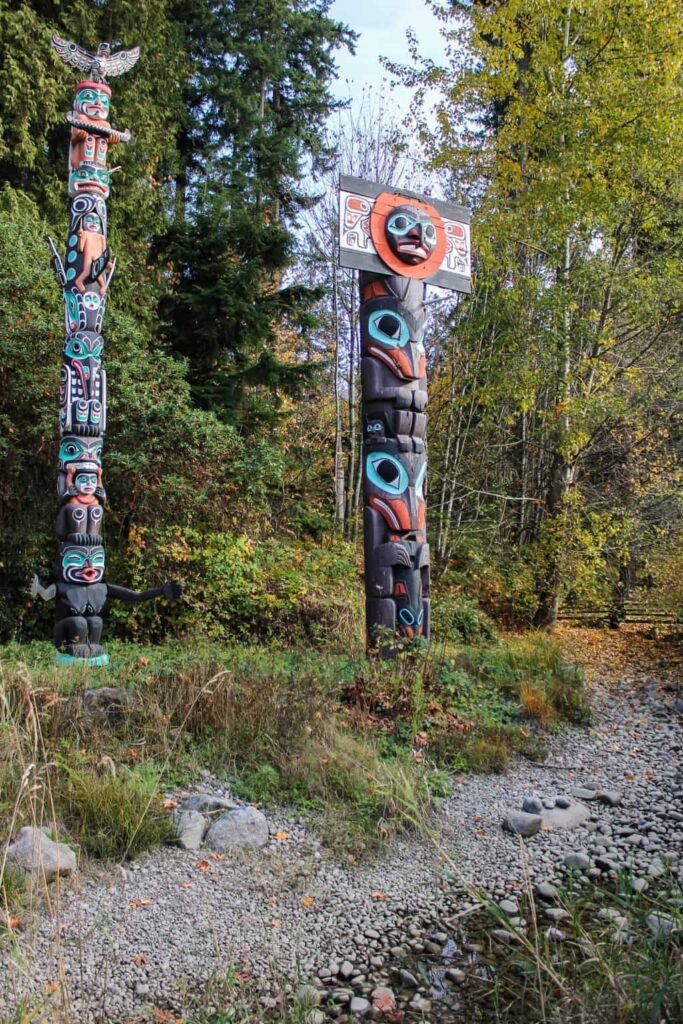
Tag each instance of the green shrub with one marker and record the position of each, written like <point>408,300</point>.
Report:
<point>458,619</point>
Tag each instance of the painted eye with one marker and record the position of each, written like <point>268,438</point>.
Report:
<point>429,232</point>
<point>73,559</point>
<point>98,559</point>
<point>388,328</point>
<point>399,224</point>
<point>386,472</point>
<point>406,617</point>
<point>420,479</point>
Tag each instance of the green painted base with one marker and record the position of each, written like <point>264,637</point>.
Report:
<point>67,659</point>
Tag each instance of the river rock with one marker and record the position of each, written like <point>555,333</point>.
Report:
<point>206,803</point>
<point>578,861</point>
<point>522,823</point>
<point>360,1007</point>
<point>191,827</point>
<point>532,805</point>
<point>244,826</point>
<point>40,856</point>
<point>566,817</point>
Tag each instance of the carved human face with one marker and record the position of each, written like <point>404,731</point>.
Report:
<point>86,483</point>
<point>91,222</point>
<point>82,563</point>
<point>411,234</point>
<point>93,102</point>
<point>90,177</point>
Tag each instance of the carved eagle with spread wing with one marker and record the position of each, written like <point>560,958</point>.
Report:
<point>99,66</point>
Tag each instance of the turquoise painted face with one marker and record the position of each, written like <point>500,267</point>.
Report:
<point>80,449</point>
<point>81,564</point>
<point>93,103</point>
<point>411,234</point>
<point>86,483</point>
<point>90,177</point>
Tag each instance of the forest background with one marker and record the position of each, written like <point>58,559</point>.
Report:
<point>233,445</point>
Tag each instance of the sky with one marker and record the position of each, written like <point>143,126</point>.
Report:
<point>382,26</point>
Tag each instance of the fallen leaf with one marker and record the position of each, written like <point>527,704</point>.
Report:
<point>186,885</point>
<point>141,958</point>
<point>281,836</point>
<point>308,901</point>
<point>14,922</point>
<point>276,923</point>
<point>168,805</point>
<point>480,833</point>
<point>216,856</point>
<point>243,976</point>
<point>165,1017</point>
<point>377,895</point>
<point>133,752</point>
<point>142,660</point>
<point>52,986</point>
<point>203,865</point>
<point>140,903</point>
<point>271,901</point>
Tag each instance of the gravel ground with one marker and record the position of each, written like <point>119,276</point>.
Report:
<point>147,936</point>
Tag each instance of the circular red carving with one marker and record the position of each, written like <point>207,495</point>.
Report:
<point>384,203</point>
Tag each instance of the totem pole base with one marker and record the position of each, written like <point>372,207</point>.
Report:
<point>94,662</point>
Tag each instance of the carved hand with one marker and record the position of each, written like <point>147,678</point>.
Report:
<point>47,593</point>
<point>172,590</point>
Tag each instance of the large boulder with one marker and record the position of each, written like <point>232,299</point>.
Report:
<point>40,856</point>
<point>245,826</point>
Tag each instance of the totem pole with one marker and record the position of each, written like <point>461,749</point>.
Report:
<point>398,243</point>
<point>85,276</point>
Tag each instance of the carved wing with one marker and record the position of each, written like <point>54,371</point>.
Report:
<point>72,53</point>
<point>121,62</point>
<point>99,264</point>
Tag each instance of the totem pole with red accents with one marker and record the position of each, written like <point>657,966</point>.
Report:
<point>400,243</point>
<point>85,274</point>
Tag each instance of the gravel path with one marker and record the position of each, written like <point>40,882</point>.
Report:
<point>165,926</point>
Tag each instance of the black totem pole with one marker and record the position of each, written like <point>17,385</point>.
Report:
<point>85,276</point>
<point>399,243</point>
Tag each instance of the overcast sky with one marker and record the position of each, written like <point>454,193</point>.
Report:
<point>382,26</point>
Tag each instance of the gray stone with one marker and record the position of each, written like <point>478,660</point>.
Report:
<point>509,906</point>
<point>661,925</point>
<point>244,826</point>
<point>605,864</point>
<point>566,817</point>
<point>455,975</point>
<point>503,935</point>
<point>105,702</point>
<point>555,935</point>
<point>360,1007</point>
<point>563,802</point>
<point>347,969</point>
<point>342,995</point>
<point>639,884</point>
<point>556,913</point>
<point>583,793</point>
<point>610,797</point>
<point>546,890</point>
<point>191,828</point>
<point>578,861</point>
<point>40,856</point>
<point>522,824</point>
<point>532,805</point>
<point>207,803</point>
<point>408,980</point>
